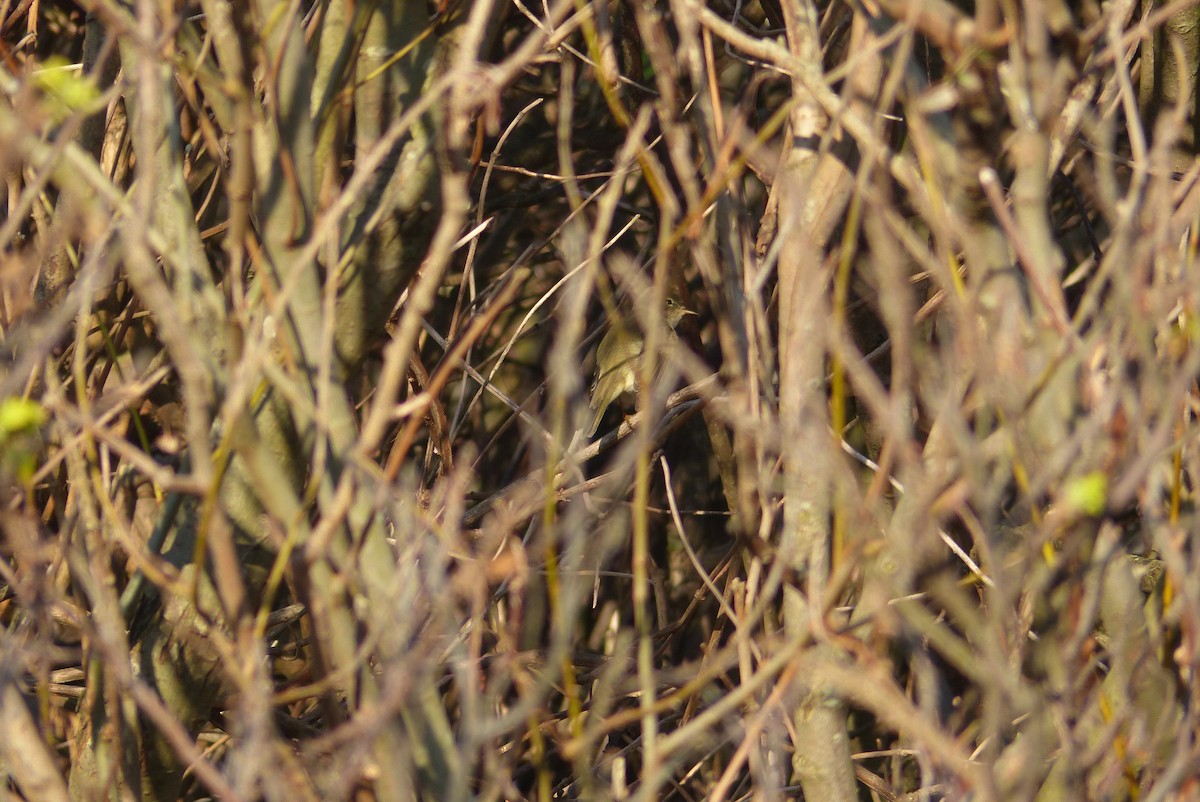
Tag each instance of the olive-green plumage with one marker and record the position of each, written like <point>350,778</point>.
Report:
<point>619,356</point>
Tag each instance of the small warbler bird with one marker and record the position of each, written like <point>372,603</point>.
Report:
<point>619,359</point>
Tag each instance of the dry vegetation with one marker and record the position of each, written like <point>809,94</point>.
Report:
<point>297,308</point>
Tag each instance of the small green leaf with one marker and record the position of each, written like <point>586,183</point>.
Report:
<point>1088,493</point>
<point>65,84</point>
<point>20,415</point>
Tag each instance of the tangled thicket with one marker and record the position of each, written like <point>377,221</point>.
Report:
<point>297,308</point>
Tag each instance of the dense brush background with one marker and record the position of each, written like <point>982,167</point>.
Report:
<point>298,302</point>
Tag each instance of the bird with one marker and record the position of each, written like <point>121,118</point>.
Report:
<point>619,359</point>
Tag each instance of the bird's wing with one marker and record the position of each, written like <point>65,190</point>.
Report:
<point>618,354</point>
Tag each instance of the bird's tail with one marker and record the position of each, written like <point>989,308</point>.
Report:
<point>591,430</point>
